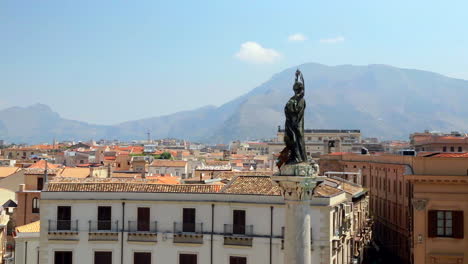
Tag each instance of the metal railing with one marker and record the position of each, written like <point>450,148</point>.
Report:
<point>63,225</point>
<point>196,228</point>
<point>143,226</point>
<point>244,230</point>
<point>104,226</point>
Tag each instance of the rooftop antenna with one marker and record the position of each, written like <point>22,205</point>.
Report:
<point>149,137</point>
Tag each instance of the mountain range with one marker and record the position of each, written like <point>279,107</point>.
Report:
<point>383,101</point>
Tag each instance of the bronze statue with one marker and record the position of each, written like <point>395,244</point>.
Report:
<point>294,152</point>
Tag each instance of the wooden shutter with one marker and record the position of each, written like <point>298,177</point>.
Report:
<point>142,258</point>
<point>103,257</point>
<point>432,224</point>
<point>143,219</point>
<point>458,230</point>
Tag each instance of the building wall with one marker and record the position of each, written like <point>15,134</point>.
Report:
<point>13,181</point>
<point>390,190</point>
<point>169,210</point>
<point>27,250</point>
<point>173,171</point>
<point>24,212</point>
<point>444,193</point>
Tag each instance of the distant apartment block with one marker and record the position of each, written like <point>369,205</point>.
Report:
<point>322,141</point>
<point>454,142</point>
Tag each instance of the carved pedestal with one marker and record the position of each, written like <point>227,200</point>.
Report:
<point>297,183</point>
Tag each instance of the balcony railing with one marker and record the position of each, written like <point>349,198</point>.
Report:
<point>195,228</point>
<point>241,230</point>
<point>142,227</point>
<point>63,225</point>
<point>103,226</point>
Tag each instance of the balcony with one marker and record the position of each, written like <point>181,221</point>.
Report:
<point>63,230</point>
<point>103,230</point>
<point>142,231</point>
<point>191,233</point>
<point>238,235</point>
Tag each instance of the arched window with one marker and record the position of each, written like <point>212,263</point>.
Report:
<point>35,205</point>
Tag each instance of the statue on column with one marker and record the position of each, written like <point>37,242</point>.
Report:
<point>294,152</point>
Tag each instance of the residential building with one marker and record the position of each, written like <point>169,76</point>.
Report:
<point>322,141</point>
<point>134,221</point>
<point>396,182</point>
<point>171,167</point>
<point>439,142</point>
<point>27,243</point>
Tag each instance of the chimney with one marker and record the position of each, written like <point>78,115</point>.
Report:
<point>109,171</point>
<point>46,176</point>
<point>22,187</point>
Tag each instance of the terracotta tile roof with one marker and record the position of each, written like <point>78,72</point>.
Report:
<point>324,190</point>
<point>246,185</point>
<point>125,175</point>
<point>109,158</point>
<point>448,155</point>
<point>164,179</point>
<point>7,171</point>
<point>258,185</point>
<point>228,175</point>
<point>75,172</point>
<point>34,227</point>
<point>168,163</point>
<point>132,187</point>
<point>345,185</point>
<point>41,165</point>
<point>216,162</point>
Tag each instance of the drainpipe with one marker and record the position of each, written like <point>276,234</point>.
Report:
<point>212,231</point>
<point>122,232</point>
<point>271,234</point>
<point>25,252</point>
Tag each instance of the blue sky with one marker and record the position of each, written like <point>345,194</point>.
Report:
<point>109,61</point>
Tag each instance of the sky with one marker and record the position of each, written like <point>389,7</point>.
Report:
<point>110,61</point>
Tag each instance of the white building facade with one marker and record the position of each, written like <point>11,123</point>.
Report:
<point>135,222</point>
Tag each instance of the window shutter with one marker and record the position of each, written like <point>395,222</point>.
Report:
<point>432,224</point>
<point>458,224</point>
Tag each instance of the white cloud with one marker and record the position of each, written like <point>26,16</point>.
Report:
<point>254,53</point>
<point>297,37</point>
<point>333,40</point>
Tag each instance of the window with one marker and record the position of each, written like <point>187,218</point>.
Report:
<point>102,257</point>
<point>452,149</point>
<point>445,224</point>
<point>237,260</point>
<point>238,222</point>
<point>187,259</point>
<point>460,149</point>
<point>142,258</point>
<point>188,224</point>
<point>35,206</point>
<point>63,257</point>
<point>143,219</point>
<point>40,183</point>
<point>104,218</point>
<point>63,218</point>
<point>444,149</point>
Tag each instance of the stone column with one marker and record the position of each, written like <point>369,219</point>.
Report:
<point>297,183</point>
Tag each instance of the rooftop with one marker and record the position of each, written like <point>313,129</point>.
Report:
<point>33,227</point>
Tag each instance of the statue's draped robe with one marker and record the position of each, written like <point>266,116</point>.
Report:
<point>294,130</point>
